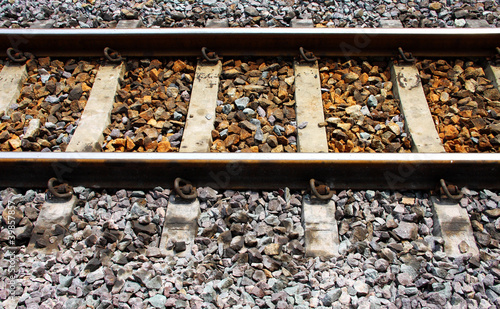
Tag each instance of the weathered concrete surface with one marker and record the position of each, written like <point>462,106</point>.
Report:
<point>391,23</point>
<point>309,108</point>
<point>493,74</point>
<point>180,225</point>
<point>407,87</point>
<point>97,114</point>
<point>51,225</point>
<point>321,230</point>
<point>131,23</point>
<point>12,78</point>
<point>452,223</point>
<point>201,114</point>
<point>302,23</point>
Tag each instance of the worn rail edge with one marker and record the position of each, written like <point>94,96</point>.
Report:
<point>345,42</point>
<point>251,171</point>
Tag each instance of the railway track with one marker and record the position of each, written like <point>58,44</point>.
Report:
<point>293,158</point>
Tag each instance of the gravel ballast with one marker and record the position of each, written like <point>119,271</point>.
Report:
<point>248,13</point>
<point>249,253</point>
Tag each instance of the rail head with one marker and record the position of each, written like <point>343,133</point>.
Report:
<point>252,171</point>
<point>339,42</point>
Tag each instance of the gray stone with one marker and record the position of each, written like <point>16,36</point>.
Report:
<point>272,220</point>
<point>157,301</point>
<point>387,254</point>
<point>259,135</point>
<point>259,275</point>
<point>225,283</point>
<point>381,265</point>
<point>411,291</point>
<point>65,281</point>
<point>131,287</point>
<point>95,275</point>
<point>404,279</point>
<point>154,283</point>
<point>73,303</point>
<point>137,211</point>
<point>142,275</point>
<point>407,230</point>
<point>361,288</point>
<point>460,23</point>
<point>409,270</point>
<point>237,243</point>
<point>460,13</point>
<point>242,102</point>
<point>75,93</point>
<point>250,10</point>
<point>331,297</point>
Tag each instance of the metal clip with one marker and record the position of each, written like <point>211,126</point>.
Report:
<point>17,56</point>
<point>112,55</point>
<point>408,57</point>
<point>320,190</point>
<point>445,189</point>
<point>307,55</point>
<point>208,55</point>
<point>62,190</point>
<point>185,189</point>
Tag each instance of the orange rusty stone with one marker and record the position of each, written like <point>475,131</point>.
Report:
<point>244,134</point>
<point>465,113</point>
<point>434,97</point>
<point>233,129</point>
<point>164,146</point>
<point>363,78</point>
<point>215,134</point>
<point>465,133</point>
<point>129,145</point>
<point>150,145</point>
<point>109,147</point>
<point>337,99</point>
<point>178,66</point>
<point>223,125</point>
<point>484,143</point>
<point>450,132</point>
<point>85,87</point>
<point>282,140</point>
<point>231,140</point>
<point>289,130</point>
<point>147,115</point>
<point>153,74</point>
<point>15,143</point>
<point>455,119</point>
<point>278,148</point>
<point>349,145</point>
<point>218,146</point>
<point>119,142</point>
<point>461,148</point>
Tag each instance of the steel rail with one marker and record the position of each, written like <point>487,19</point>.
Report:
<point>344,42</point>
<point>250,170</point>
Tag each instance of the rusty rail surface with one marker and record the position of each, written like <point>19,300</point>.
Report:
<point>251,171</point>
<point>346,42</point>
